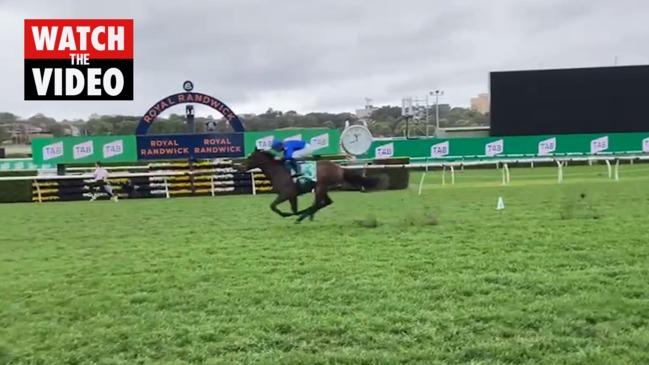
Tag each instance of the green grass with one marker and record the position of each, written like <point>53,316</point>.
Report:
<point>553,279</point>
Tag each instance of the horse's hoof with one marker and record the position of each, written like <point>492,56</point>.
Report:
<point>298,221</point>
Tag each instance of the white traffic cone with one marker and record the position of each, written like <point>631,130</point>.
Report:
<point>501,203</point>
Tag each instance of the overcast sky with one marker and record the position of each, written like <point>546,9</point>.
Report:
<point>328,55</point>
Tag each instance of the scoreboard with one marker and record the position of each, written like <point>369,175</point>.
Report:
<point>563,101</point>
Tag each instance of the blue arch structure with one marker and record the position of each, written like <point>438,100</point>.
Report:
<point>184,98</point>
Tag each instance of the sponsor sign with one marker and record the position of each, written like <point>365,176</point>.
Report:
<point>264,143</point>
<point>190,146</point>
<point>547,146</point>
<point>494,148</point>
<point>599,145</point>
<point>320,141</point>
<point>52,151</point>
<point>439,149</point>
<point>82,150</point>
<point>112,149</point>
<point>385,151</point>
<point>90,149</point>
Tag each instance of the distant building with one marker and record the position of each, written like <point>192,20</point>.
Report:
<point>365,113</point>
<point>72,130</point>
<point>23,133</point>
<point>480,103</point>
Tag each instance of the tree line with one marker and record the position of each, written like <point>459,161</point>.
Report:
<point>385,121</point>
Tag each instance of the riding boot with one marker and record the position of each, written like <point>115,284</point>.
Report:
<point>296,168</point>
<point>293,167</point>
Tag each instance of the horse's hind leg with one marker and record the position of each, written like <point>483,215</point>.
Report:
<point>308,212</point>
<point>319,202</point>
<point>326,201</point>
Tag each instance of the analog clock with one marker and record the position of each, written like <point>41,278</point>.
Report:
<point>356,139</point>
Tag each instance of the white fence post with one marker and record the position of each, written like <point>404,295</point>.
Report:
<point>421,181</point>
<point>608,168</point>
<point>254,186</point>
<point>443,174</point>
<point>38,191</point>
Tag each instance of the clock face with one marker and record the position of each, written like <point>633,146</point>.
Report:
<point>356,139</point>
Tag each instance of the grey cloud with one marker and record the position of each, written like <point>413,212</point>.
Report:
<point>328,55</point>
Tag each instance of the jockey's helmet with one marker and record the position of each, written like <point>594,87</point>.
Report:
<point>277,144</point>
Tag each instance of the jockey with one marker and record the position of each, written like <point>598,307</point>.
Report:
<point>100,177</point>
<point>290,150</point>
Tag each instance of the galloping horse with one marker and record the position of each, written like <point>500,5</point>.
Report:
<point>328,175</point>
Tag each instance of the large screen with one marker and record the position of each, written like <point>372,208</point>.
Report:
<point>586,100</point>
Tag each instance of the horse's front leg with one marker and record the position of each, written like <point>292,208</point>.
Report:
<point>308,212</point>
<point>279,200</point>
<point>293,202</point>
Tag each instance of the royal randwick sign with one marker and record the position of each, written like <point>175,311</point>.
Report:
<point>78,59</point>
<point>190,146</point>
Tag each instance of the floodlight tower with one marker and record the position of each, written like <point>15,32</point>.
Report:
<point>437,94</point>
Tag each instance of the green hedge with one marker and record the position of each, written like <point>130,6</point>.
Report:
<point>16,191</point>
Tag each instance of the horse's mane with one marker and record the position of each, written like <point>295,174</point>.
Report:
<point>268,155</point>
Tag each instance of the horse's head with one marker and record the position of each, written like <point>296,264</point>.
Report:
<point>256,159</point>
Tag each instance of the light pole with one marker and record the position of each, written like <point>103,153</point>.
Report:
<point>437,93</point>
<point>427,120</point>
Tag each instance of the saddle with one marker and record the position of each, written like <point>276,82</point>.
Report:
<point>307,178</point>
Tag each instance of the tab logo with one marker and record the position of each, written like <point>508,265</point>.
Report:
<point>439,149</point>
<point>82,150</point>
<point>113,149</point>
<point>494,148</point>
<point>53,150</point>
<point>548,146</point>
<point>321,141</point>
<point>645,145</point>
<point>78,59</point>
<point>599,145</point>
<point>385,151</point>
<point>264,143</point>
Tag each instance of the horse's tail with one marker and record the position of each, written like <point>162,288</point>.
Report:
<point>357,179</point>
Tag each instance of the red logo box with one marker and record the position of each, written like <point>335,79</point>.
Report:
<point>78,59</point>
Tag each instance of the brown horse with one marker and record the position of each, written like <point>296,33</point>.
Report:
<point>328,175</point>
